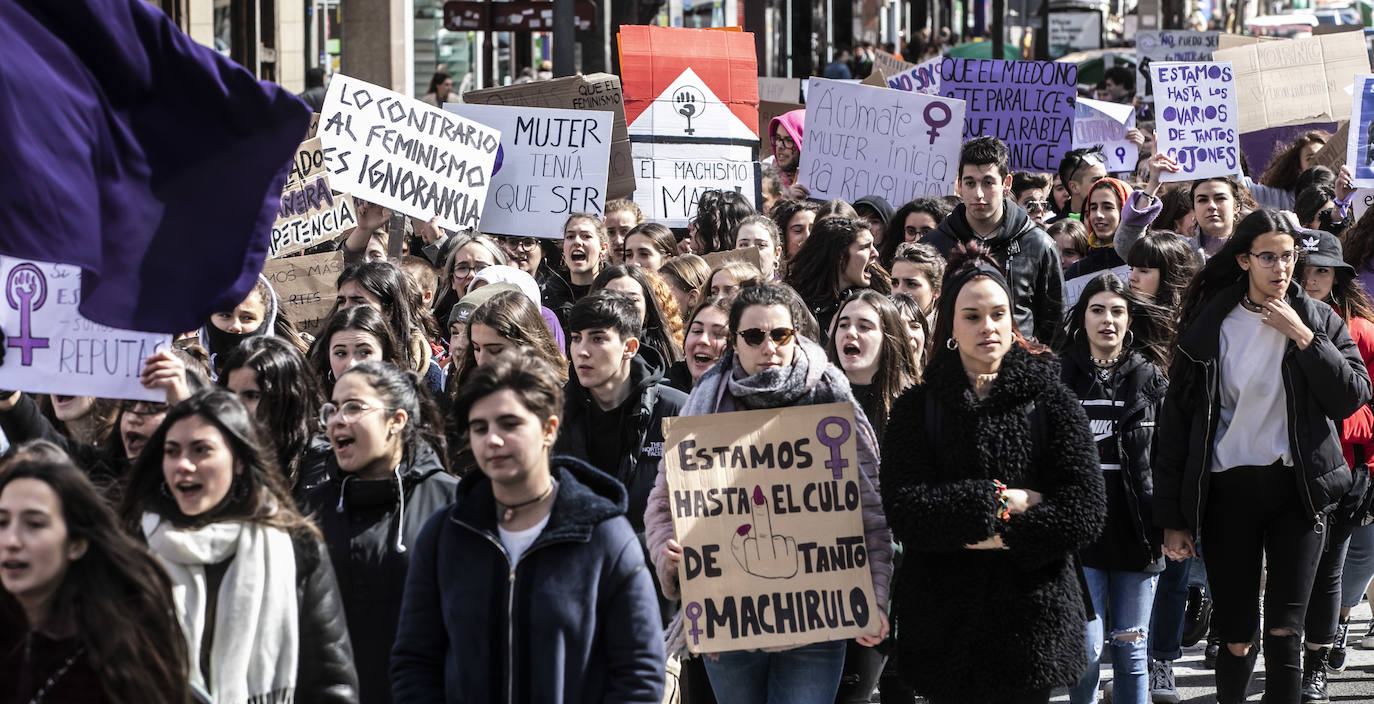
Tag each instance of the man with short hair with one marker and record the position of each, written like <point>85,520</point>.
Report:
<point>616,398</point>
<point>988,216</point>
<point>1078,171</point>
<point>1119,83</point>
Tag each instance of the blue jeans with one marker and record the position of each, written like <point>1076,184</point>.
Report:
<point>1359,566</point>
<point>1124,600</point>
<point>809,674</point>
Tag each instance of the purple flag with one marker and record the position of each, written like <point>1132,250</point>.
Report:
<point>153,163</point>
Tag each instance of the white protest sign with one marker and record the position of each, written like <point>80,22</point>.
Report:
<point>406,155</point>
<point>1360,201</point>
<point>767,507</point>
<point>50,348</point>
<point>310,213</point>
<point>553,163</point>
<point>1098,122</point>
<point>1359,153</point>
<point>921,78</point>
<point>671,176</point>
<point>1197,122</point>
<point>862,140</point>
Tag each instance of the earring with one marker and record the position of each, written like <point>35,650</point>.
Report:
<point>951,344</point>
<point>1130,338</point>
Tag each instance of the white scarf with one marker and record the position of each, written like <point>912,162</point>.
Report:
<point>253,657</point>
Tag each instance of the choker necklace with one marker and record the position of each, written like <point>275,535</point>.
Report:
<point>1252,306</point>
<point>508,510</point>
<point>1105,367</point>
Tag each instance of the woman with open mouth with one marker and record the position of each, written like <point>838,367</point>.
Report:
<point>254,589</point>
<point>586,251</point>
<point>83,609</point>
<point>838,257</point>
<point>1261,373</point>
<point>707,334</point>
<point>386,477</point>
<point>869,343</point>
<point>1113,360</point>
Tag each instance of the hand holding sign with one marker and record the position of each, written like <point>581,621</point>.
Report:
<point>758,551</point>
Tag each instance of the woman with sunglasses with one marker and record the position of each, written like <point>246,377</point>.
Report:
<point>768,364</point>
<point>1032,192</point>
<point>252,583</point>
<point>1254,467</point>
<point>992,486</point>
<point>386,479</point>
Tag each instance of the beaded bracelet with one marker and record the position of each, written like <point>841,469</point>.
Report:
<point>1003,503</point>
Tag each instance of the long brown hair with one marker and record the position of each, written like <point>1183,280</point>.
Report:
<point>1283,171</point>
<point>897,368</point>
<point>515,317</point>
<point>116,594</point>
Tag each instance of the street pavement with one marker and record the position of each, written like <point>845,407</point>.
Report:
<point>1195,684</point>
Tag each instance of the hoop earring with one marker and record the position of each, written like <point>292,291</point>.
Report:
<point>1130,338</point>
<point>1076,334</point>
<point>951,344</point>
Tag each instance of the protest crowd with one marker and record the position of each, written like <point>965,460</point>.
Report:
<point>463,409</point>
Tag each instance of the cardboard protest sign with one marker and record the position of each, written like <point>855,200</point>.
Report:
<point>779,90</point>
<point>1332,154</point>
<point>862,140</point>
<point>766,505</point>
<point>1296,81</point>
<point>305,286</point>
<point>594,91</point>
<point>308,161</point>
<point>692,107</point>
<point>406,155</point>
<point>1196,120</point>
<point>309,214</point>
<point>1360,202</point>
<point>553,163</point>
<point>889,64</point>
<point>1027,104</point>
<point>1360,152</point>
<point>1169,45</point>
<point>314,125</point>
<point>1074,30</point>
<point>51,348</point>
<point>1097,122</point>
<point>748,255</point>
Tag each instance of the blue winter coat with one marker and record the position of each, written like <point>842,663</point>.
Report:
<point>576,620</point>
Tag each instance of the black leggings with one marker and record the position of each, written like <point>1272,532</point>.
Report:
<point>1255,513</point>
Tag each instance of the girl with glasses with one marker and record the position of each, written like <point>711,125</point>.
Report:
<point>470,254</point>
<point>386,479</point>
<point>911,223</point>
<point>769,364</point>
<point>252,582</point>
<point>992,485</point>
<point>1260,374</point>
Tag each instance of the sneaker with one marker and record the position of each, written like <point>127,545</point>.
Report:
<point>1314,676</point>
<point>1209,656</point>
<point>1335,662</point>
<point>1162,687</point>
<point>1367,642</point>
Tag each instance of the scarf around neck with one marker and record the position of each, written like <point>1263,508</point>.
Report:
<point>254,649</point>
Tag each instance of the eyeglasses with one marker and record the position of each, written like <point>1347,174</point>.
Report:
<point>1037,206</point>
<point>915,233</point>
<point>784,143</point>
<point>518,242</point>
<point>1268,259</point>
<point>349,412</point>
<point>754,336</point>
<point>143,408</point>
<point>462,270</point>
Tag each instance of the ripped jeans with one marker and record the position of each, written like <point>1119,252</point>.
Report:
<point>1123,600</point>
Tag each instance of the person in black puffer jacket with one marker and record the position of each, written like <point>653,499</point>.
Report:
<point>385,481</point>
<point>1017,242</point>
<point>1121,387</point>
<point>1254,463</point>
<point>991,483</point>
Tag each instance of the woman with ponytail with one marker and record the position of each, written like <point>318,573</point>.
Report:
<point>386,479</point>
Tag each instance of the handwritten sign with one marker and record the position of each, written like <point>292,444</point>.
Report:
<point>1027,104</point>
<point>553,163</point>
<point>1196,121</point>
<point>51,348</point>
<point>308,161</point>
<point>406,155</point>
<point>594,91</point>
<point>1097,122</point>
<point>309,214</point>
<point>767,507</point>
<point>862,140</point>
<point>1296,81</point>
<point>305,286</point>
<point>672,177</point>
<point>1169,45</point>
<point>1360,152</point>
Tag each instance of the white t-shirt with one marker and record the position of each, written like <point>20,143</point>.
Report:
<point>518,541</point>
<point>1253,429</point>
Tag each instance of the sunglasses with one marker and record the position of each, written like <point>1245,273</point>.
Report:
<point>754,336</point>
<point>1037,206</point>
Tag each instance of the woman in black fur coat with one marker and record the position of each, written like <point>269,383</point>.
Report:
<point>992,485</point>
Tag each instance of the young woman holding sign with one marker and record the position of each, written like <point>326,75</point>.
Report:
<point>767,364</point>
<point>992,485</point>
